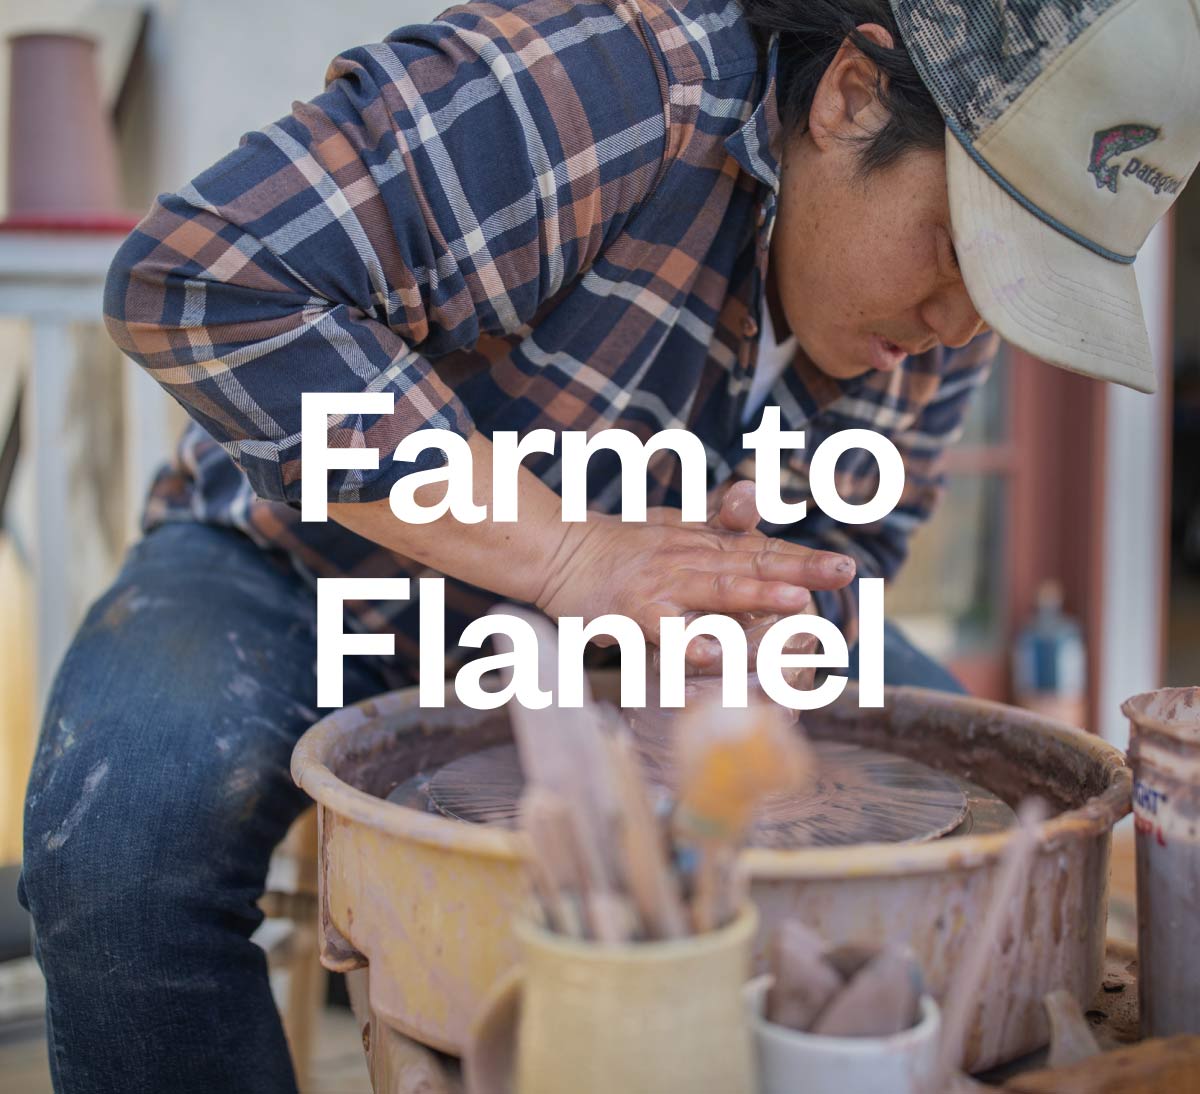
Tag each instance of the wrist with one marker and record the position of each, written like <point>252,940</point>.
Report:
<point>559,567</point>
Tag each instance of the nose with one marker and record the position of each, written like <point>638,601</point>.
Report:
<point>952,317</point>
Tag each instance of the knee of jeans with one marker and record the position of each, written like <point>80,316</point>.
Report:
<point>108,853</point>
<point>115,838</point>
<point>78,867</point>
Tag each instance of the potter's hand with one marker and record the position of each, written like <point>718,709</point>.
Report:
<point>666,568</point>
<point>733,509</point>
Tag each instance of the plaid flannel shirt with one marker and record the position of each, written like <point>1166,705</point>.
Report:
<point>527,213</point>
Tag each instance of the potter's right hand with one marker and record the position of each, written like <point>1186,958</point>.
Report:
<point>665,568</point>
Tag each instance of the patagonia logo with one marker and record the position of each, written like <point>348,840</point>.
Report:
<point>1110,143</point>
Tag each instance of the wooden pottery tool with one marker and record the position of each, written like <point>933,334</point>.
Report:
<point>647,871</point>
<point>563,751</point>
<point>1005,911</point>
<point>880,1000</point>
<point>553,861</point>
<point>803,981</point>
<point>1071,1038</point>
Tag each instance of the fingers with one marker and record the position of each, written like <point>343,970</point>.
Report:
<point>705,656</point>
<point>756,627</point>
<point>730,593</point>
<point>778,560</point>
<point>703,653</point>
<point>801,642</point>
<point>773,558</point>
<point>739,511</point>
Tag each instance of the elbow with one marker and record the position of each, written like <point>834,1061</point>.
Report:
<point>133,294</point>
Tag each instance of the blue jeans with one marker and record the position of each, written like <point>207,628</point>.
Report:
<point>160,787</point>
<point>905,665</point>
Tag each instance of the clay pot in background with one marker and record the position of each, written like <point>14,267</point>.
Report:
<point>62,158</point>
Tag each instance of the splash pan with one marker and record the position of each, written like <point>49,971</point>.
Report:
<point>426,899</point>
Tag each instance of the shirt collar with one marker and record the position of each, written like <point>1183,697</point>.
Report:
<point>754,145</point>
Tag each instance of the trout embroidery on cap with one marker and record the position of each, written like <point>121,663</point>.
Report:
<point>1108,143</point>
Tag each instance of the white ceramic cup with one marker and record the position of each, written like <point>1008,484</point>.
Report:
<point>790,1062</point>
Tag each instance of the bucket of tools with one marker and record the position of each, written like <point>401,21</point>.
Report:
<point>637,945</point>
<point>640,1017</point>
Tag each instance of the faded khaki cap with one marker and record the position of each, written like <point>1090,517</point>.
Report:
<point>1072,126</point>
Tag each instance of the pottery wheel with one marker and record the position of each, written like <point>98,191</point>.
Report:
<point>861,795</point>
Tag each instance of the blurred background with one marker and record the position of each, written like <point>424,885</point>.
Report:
<point>1062,570</point>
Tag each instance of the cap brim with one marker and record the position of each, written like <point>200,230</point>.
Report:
<point>1039,290</point>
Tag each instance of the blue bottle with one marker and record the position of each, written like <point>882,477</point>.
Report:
<point>1050,661</point>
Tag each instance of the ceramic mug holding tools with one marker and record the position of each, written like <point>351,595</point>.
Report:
<point>791,1062</point>
<point>639,1018</point>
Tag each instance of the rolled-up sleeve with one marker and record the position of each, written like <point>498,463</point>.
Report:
<point>448,182</point>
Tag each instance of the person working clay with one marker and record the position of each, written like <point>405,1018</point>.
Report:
<point>644,214</point>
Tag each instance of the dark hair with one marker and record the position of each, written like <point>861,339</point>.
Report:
<point>810,34</point>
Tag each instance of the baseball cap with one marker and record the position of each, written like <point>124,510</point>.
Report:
<point>1071,128</point>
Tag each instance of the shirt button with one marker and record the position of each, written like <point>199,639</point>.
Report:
<point>762,215</point>
<point>749,327</point>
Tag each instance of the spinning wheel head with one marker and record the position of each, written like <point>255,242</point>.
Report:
<point>859,795</point>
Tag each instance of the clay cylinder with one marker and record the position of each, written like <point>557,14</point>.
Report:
<point>1164,752</point>
<point>61,148</point>
<point>639,1018</point>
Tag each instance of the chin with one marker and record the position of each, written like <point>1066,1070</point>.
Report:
<point>841,356</point>
<point>840,366</point>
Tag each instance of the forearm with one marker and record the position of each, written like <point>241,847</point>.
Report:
<point>512,559</point>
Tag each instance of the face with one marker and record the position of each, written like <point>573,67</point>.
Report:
<point>863,268</point>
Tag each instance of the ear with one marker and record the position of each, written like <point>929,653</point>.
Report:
<point>845,103</point>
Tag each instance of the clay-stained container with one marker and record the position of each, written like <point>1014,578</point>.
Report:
<point>1164,752</point>
<point>640,1018</point>
<point>428,901</point>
